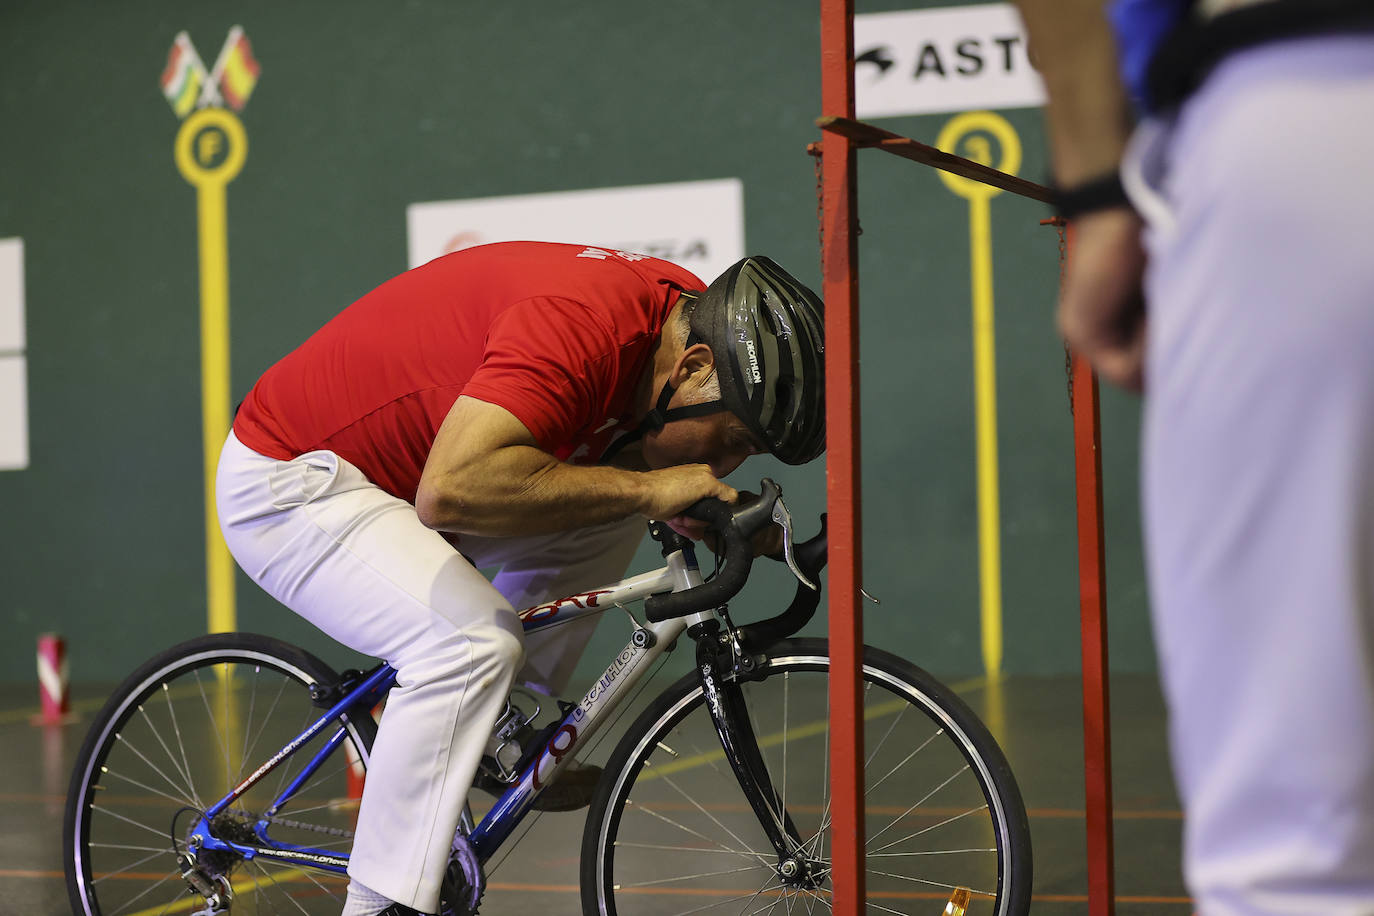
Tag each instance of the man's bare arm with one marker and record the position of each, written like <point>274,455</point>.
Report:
<point>1101,312</point>
<point>1089,115</point>
<point>486,475</point>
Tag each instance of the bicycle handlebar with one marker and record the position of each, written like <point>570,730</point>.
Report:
<point>737,527</point>
<point>810,556</point>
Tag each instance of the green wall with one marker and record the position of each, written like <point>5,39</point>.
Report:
<point>363,108</point>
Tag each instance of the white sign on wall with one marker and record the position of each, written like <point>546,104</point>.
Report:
<point>956,58</point>
<point>697,224</point>
<point>14,398</point>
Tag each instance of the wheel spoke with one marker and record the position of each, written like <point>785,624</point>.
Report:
<point>659,882</point>
<point>181,744</point>
<point>925,798</point>
<point>284,771</point>
<point>896,720</point>
<point>786,724</point>
<point>621,844</point>
<point>161,834</point>
<point>248,723</point>
<point>721,846</point>
<point>696,804</point>
<point>770,800</point>
<point>281,688</point>
<point>718,903</point>
<point>214,727</point>
<point>769,880</point>
<point>286,894</point>
<point>128,846</point>
<point>320,779</point>
<point>147,788</point>
<point>172,906</point>
<point>146,891</point>
<point>928,883</point>
<point>305,873</point>
<point>131,847</point>
<point>825,794</point>
<point>930,852</point>
<point>154,767</point>
<point>924,830</point>
<point>176,765</point>
<point>905,760</point>
<point>132,865</point>
<point>928,750</point>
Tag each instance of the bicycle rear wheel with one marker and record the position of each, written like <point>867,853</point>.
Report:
<point>175,738</point>
<point>670,832</point>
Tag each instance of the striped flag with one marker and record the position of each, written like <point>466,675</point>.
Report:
<point>183,76</point>
<point>238,69</point>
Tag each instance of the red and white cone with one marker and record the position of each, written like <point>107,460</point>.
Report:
<point>357,774</point>
<point>54,682</point>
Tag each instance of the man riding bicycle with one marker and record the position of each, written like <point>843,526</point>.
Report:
<point>521,406</point>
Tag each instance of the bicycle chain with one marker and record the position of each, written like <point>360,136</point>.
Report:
<point>288,822</point>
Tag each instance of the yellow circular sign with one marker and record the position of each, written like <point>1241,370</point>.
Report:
<point>971,129</point>
<point>211,147</point>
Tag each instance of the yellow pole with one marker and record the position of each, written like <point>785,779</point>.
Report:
<point>970,128</point>
<point>210,150</point>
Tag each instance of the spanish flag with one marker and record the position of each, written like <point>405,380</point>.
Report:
<point>240,72</point>
<point>183,76</point>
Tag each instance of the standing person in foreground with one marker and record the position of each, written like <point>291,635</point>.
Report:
<point>521,405</point>
<point>1250,172</point>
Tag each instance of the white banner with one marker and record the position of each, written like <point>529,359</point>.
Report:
<point>11,295</point>
<point>14,400</point>
<point>697,224</point>
<point>955,58</point>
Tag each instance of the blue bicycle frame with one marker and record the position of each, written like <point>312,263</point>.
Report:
<point>647,643</point>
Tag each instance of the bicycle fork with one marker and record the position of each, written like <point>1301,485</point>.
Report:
<point>720,665</point>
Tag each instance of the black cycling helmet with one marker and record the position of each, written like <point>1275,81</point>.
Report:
<point>766,332</point>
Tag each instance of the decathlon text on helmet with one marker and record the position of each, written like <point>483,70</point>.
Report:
<point>766,331</point>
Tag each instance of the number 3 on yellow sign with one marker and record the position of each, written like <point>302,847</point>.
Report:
<point>972,136</point>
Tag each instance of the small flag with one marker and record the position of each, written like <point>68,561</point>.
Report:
<point>183,76</point>
<point>239,73</point>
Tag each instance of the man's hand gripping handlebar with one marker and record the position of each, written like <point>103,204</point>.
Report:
<point>735,528</point>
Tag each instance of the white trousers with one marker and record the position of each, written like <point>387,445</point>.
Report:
<point>1258,473</point>
<point>356,562</point>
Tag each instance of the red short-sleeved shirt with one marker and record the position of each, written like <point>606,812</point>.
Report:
<point>559,335</point>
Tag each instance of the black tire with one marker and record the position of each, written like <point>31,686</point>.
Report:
<point>150,755</point>
<point>653,844</point>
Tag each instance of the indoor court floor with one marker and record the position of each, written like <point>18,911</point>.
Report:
<point>1037,720</point>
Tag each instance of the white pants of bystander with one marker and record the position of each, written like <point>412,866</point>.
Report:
<point>1258,472</point>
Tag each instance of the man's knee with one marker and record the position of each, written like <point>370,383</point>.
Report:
<point>488,650</point>
<point>506,650</point>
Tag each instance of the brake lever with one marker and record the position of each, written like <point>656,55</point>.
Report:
<point>783,518</point>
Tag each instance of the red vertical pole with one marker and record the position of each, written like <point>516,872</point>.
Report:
<point>839,261</point>
<point>1097,738</point>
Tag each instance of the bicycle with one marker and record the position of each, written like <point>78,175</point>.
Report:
<point>162,819</point>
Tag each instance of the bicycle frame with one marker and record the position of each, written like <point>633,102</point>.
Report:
<point>648,642</point>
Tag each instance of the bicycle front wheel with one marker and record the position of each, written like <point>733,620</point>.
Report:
<point>670,831</point>
<point>175,737</point>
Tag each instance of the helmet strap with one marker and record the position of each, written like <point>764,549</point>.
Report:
<point>660,416</point>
